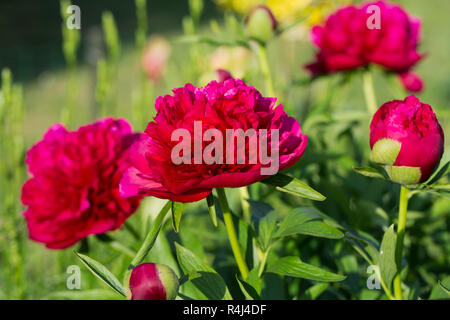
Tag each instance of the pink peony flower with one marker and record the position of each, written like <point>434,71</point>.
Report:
<point>407,134</point>
<point>74,189</point>
<point>346,42</point>
<point>153,281</point>
<point>222,106</point>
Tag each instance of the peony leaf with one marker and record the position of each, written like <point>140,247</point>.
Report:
<point>177,212</point>
<point>248,291</point>
<point>294,267</point>
<point>212,209</point>
<point>304,220</point>
<point>388,266</point>
<point>266,229</point>
<point>102,273</point>
<point>445,289</point>
<point>293,186</point>
<point>92,294</point>
<point>210,283</point>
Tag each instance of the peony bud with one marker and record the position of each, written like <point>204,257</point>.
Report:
<point>405,137</point>
<point>223,75</point>
<point>153,281</point>
<point>260,24</point>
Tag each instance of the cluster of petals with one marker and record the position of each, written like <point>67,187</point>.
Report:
<point>74,188</point>
<point>350,38</point>
<point>230,104</point>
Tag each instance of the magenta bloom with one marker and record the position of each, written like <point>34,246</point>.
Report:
<point>74,189</point>
<point>346,42</point>
<point>219,106</point>
<point>407,134</point>
<point>153,281</point>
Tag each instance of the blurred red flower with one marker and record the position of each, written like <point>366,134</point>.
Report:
<point>347,41</point>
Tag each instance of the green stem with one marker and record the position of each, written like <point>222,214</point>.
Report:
<point>265,69</point>
<point>229,225</point>
<point>150,239</point>
<point>385,288</point>
<point>246,210</point>
<point>369,92</point>
<point>403,208</point>
<point>263,262</point>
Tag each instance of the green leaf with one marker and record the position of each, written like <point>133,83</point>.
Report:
<point>92,294</point>
<point>442,170</point>
<point>370,172</point>
<point>102,273</point>
<point>441,187</point>
<point>313,292</point>
<point>304,220</point>
<point>318,229</point>
<point>293,186</point>
<point>210,283</point>
<point>266,229</point>
<point>388,267</point>
<point>177,212</point>
<point>445,289</point>
<point>212,209</point>
<point>441,290</point>
<point>294,267</point>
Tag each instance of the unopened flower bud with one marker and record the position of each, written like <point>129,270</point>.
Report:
<point>153,281</point>
<point>405,137</point>
<point>260,24</point>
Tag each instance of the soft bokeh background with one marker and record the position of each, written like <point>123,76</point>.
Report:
<point>30,45</point>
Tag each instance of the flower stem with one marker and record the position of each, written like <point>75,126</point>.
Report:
<point>403,208</point>
<point>263,262</point>
<point>246,211</point>
<point>369,92</point>
<point>265,69</point>
<point>229,225</point>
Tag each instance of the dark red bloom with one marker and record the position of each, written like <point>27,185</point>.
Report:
<point>74,189</point>
<point>347,42</point>
<point>153,281</point>
<point>407,134</point>
<point>229,105</point>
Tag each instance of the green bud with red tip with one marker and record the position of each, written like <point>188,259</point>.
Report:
<point>260,24</point>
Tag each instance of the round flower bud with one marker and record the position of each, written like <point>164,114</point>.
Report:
<point>260,24</point>
<point>153,281</point>
<point>405,137</point>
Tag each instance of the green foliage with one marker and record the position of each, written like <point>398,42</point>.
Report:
<point>388,266</point>
<point>102,273</point>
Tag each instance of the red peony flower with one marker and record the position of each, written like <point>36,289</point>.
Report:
<point>346,42</point>
<point>153,281</point>
<point>407,138</point>
<point>74,189</point>
<point>211,111</point>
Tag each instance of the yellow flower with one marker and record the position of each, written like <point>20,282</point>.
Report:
<point>242,7</point>
<point>287,11</point>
